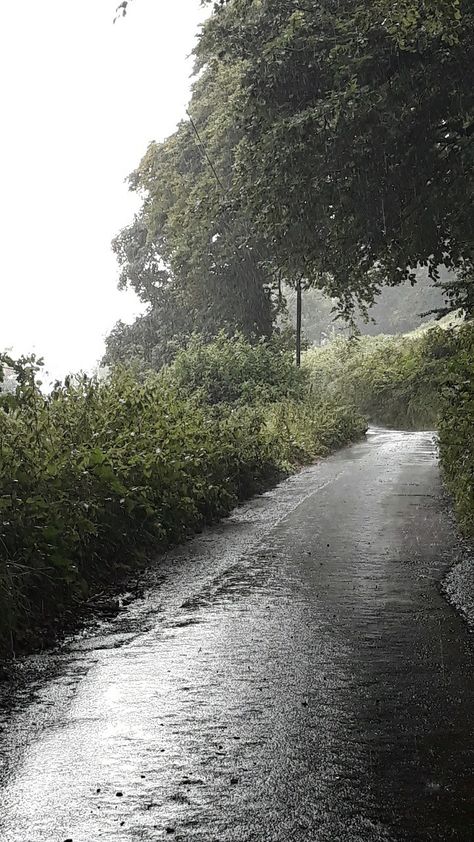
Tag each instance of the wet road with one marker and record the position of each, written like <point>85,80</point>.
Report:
<point>292,674</point>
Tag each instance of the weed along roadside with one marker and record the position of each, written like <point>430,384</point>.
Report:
<point>96,476</point>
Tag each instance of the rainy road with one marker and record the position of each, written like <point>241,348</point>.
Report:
<point>292,674</point>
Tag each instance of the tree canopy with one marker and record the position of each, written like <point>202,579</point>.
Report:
<point>328,144</point>
<point>187,252</point>
<point>356,156</point>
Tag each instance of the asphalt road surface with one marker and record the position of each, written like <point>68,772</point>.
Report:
<point>291,674</point>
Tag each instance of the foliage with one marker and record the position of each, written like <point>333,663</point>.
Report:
<point>394,380</point>
<point>235,371</point>
<point>456,430</point>
<point>317,134</point>
<point>150,342</point>
<point>96,475</point>
<point>295,427</point>
<point>458,292</point>
<point>356,159</point>
<point>185,253</point>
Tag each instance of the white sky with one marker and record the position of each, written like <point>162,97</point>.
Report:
<point>80,100</point>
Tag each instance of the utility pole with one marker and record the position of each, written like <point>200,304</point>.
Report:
<point>298,322</point>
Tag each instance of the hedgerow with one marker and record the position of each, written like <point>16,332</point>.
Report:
<point>97,475</point>
<point>232,370</point>
<point>394,380</point>
<point>456,429</point>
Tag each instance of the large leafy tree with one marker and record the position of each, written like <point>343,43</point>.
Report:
<point>187,253</point>
<point>328,144</point>
<point>355,161</point>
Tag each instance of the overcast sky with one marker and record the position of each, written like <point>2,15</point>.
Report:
<point>81,99</point>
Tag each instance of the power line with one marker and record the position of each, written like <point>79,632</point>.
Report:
<point>204,150</point>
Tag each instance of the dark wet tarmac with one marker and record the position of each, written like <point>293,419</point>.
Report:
<point>292,674</point>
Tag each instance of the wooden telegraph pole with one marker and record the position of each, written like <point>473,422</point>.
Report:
<point>298,322</point>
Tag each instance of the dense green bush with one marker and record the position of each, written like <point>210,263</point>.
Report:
<point>456,429</point>
<point>94,475</point>
<point>394,380</point>
<point>236,371</point>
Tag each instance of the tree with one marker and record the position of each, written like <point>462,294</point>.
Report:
<point>186,251</point>
<point>355,162</point>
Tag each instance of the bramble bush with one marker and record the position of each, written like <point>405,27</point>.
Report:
<point>96,475</point>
